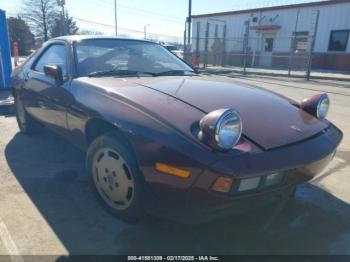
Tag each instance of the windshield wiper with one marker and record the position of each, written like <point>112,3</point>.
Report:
<point>119,73</point>
<point>139,73</point>
<point>176,73</point>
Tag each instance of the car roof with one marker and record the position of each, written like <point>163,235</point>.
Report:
<point>76,38</point>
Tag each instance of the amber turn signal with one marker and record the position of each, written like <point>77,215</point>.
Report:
<point>223,184</point>
<point>171,170</point>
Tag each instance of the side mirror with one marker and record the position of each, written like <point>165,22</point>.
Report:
<point>55,72</point>
<point>196,70</point>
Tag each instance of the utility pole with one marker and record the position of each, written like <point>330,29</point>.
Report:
<point>62,3</point>
<point>115,18</point>
<point>144,31</point>
<point>189,22</point>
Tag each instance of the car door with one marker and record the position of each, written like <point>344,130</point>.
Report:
<point>49,98</point>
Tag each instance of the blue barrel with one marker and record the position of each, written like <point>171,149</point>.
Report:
<point>5,56</point>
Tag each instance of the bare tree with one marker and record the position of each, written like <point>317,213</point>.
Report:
<point>40,15</point>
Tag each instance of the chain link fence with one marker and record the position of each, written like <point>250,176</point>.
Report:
<point>264,54</point>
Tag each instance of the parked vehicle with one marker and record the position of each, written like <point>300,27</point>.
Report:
<point>175,50</point>
<point>162,139</point>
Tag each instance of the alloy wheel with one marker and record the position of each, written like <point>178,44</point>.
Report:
<point>113,179</point>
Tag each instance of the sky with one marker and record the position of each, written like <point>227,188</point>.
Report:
<point>162,17</point>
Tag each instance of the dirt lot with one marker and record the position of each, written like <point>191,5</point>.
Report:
<point>47,205</point>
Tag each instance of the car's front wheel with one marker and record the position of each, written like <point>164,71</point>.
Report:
<point>116,177</point>
<point>26,123</point>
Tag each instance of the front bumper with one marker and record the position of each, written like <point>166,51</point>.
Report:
<point>300,162</point>
<point>210,205</point>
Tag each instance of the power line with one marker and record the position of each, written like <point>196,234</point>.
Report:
<point>154,13</point>
<point>139,10</point>
<point>122,28</point>
<point>170,20</point>
<point>91,22</point>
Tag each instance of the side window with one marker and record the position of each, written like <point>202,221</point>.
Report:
<point>338,40</point>
<point>54,55</point>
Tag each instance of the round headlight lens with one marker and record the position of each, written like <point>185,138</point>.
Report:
<point>228,129</point>
<point>322,107</point>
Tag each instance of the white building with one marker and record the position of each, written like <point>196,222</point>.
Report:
<point>276,32</point>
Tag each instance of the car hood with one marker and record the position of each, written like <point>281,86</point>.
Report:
<point>268,119</point>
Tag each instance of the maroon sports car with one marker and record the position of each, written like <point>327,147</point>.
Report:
<point>164,140</point>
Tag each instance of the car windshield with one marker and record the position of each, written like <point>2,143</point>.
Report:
<point>119,57</point>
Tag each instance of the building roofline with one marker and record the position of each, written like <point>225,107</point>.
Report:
<point>280,7</point>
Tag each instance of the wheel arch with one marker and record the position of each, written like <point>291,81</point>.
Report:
<point>96,127</point>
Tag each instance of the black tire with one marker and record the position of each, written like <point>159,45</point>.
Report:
<point>26,124</point>
<point>102,177</point>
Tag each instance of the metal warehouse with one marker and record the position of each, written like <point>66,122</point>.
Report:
<point>294,36</point>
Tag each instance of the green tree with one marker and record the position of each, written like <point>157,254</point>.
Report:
<point>71,27</point>
<point>19,32</point>
<point>40,15</point>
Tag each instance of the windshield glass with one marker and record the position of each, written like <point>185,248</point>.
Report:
<point>97,57</point>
